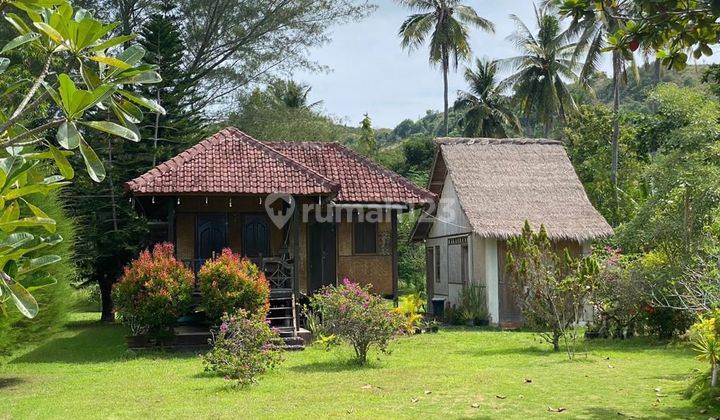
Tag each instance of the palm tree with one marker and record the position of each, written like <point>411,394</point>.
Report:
<point>291,94</point>
<point>446,23</point>
<point>486,111</point>
<point>594,27</point>
<point>541,71</point>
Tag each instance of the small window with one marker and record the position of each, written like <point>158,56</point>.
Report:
<point>365,238</point>
<point>430,264</point>
<point>464,264</point>
<point>437,264</point>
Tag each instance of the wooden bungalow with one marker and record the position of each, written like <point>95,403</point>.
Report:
<point>308,213</point>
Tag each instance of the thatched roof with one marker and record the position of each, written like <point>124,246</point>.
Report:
<point>503,182</point>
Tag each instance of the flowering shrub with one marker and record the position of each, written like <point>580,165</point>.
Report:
<point>153,292</point>
<point>244,347</point>
<point>353,314</point>
<point>228,283</point>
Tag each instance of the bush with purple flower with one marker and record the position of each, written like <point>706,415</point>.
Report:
<point>353,314</point>
<point>244,347</point>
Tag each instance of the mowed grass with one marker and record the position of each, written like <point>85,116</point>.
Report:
<point>86,372</point>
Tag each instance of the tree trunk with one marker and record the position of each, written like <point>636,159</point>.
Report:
<point>445,95</point>
<point>556,340</point>
<point>113,203</point>
<point>657,71</point>
<point>714,375</point>
<point>106,295</point>
<point>615,136</point>
<point>156,130</point>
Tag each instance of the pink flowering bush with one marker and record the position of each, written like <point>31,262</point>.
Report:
<point>244,347</point>
<point>352,314</point>
<point>153,292</point>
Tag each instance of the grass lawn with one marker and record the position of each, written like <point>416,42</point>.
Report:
<point>86,371</point>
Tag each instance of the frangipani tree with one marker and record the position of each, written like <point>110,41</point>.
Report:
<point>43,120</point>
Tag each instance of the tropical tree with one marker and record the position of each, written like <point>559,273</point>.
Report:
<point>446,23</point>
<point>597,26</point>
<point>487,112</point>
<point>78,73</point>
<point>367,143</point>
<point>542,70</point>
<point>291,94</point>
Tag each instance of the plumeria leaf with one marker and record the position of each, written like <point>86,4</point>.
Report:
<point>62,163</point>
<point>112,128</point>
<point>94,166</point>
<point>24,301</point>
<point>68,135</point>
<point>20,40</point>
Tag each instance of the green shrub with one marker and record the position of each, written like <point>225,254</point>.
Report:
<point>153,292</point>
<point>473,303</point>
<point>229,283</point>
<point>353,314</point>
<point>244,347</point>
<point>454,315</point>
<point>55,300</point>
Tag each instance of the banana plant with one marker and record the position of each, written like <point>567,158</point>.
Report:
<point>85,73</point>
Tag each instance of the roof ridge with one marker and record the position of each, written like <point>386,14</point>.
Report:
<point>286,159</point>
<point>449,141</point>
<point>392,174</point>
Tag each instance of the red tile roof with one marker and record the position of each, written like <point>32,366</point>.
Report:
<point>231,162</point>
<point>361,180</point>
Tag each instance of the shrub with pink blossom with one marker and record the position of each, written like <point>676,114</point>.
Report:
<point>353,314</point>
<point>244,347</point>
<point>153,292</point>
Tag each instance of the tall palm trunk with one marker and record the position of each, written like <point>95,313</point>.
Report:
<point>615,135</point>
<point>445,66</point>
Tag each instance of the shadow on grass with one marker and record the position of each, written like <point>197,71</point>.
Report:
<point>333,366</point>
<point>92,342</point>
<point>660,412</point>
<point>11,382</point>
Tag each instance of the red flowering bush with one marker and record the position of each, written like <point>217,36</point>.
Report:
<point>351,313</point>
<point>244,347</point>
<point>153,292</point>
<point>229,283</point>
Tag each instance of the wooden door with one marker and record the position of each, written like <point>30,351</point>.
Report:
<point>211,236</point>
<point>509,309</point>
<point>322,249</point>
<point>255,236</point>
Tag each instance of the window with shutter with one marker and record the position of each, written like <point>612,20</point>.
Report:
<point>365,238</point>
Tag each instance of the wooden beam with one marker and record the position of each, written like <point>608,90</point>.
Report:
<point>296,219</point>
<point>394,246</point>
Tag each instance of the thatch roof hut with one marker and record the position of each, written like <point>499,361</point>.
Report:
<point>501,183</point>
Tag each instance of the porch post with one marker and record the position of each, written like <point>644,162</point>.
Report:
<point>394,245</point>
<point>171,221</point>
<point>296,246</point>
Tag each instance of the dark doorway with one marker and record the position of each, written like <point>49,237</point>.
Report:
<point>322,250</point>
<point>255,236</point>
<point>509,309</point>
<point>211,236</point>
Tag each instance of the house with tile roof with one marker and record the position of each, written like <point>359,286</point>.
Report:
<point>308,213</point>
<point>487,189</point>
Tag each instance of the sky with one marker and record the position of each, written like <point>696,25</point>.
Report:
<point>370,73</point>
